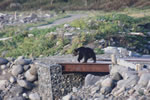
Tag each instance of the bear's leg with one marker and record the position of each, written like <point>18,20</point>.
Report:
<point>80,57</point>
<point>85,59</point>
<point>94,59</point>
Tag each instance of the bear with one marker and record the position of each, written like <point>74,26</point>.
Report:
<point>86,53</point>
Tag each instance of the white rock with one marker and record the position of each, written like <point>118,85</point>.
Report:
<point>12,79</point>
<point>17,69</point>
<point>111,50</point>
<point>34,96</point>
<point>108,82</point>
<point>25,95</point>
<point>3,67</point>
<point>66,25</point>
<point>67,97</point>
<point>30,35</point>
<point>74,89</point>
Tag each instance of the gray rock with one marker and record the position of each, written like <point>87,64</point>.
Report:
<point>111,50</point>
<point>26,67</point>
<point>22,61</point>
<point>105,90</point>
<point>119,91</point>
<point>74,89</point>
<point>3,84</point>
<point>3,61</point>
<point>17,69</point>
<point>30,77</point>
<point>16,90</point>
<point>144,79</point>
<point>116,76</point>
<point>128,83</point>
<point>34,96</point>
<point>108,82</point>
<point>95,89</point>
<point>25,84</point>
<point>132,98</point>
<point>91,79</point>
<point>33,70</point>
<point>17,98</point>
<point>102,97</point>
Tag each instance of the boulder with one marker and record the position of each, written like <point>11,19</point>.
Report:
<point>105,90</point>
<point>111,50</point>
<point>91,79</point>
<point>17,69</point>
<point>116,76</point>
<point>108,82</point>
<point>24,84</point>
<point>22,61</point>
<point>34,96</point>
<point>30,77</point>
<point>144,79</point>
<point>3,61</point>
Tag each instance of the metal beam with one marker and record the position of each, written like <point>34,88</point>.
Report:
<point>85,67</point>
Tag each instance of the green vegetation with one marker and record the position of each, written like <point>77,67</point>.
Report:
<point>88,30</point>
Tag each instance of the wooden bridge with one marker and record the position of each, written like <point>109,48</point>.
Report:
<point>102,65</point>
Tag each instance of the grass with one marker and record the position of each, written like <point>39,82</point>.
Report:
<point>105,26</point>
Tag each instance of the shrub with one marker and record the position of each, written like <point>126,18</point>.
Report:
<point>81,23</point>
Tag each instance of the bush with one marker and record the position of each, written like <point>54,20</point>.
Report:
<point>81,23</point>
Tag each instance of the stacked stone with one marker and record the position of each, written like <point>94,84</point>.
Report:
<point>18,79</point>
<point>123,83</point>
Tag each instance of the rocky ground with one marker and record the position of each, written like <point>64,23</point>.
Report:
<point>18,79</point>
<point>123,83</point>
<point>17,18</point>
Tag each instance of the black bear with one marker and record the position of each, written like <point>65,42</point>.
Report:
<point>84,52</point>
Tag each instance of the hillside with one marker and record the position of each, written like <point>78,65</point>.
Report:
<point>71,4</point>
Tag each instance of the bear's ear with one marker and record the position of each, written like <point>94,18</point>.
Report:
<point>75,52</point>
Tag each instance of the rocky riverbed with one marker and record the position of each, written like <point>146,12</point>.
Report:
<point>19,80</point>
<point>123,83</point>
